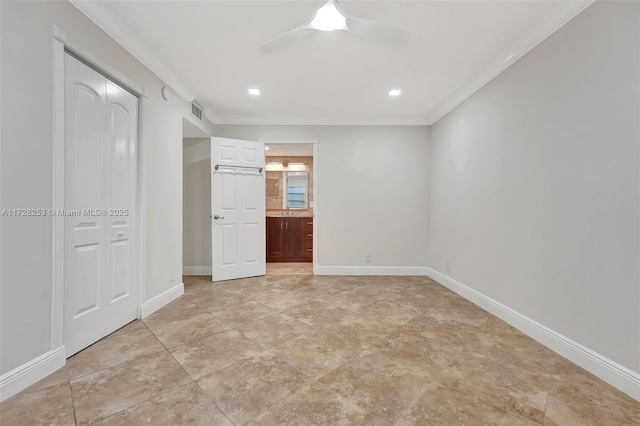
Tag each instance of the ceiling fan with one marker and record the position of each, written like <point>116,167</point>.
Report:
<point>330,17</point>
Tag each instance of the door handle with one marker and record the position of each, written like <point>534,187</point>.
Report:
<point>216,217</point>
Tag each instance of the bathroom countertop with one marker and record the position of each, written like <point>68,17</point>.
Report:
<point>288,213</point>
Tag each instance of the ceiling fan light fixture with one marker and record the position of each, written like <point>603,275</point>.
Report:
<point>331,17</point>
<point>328,18</point>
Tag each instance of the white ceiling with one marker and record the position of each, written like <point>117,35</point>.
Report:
<point>207,50</point>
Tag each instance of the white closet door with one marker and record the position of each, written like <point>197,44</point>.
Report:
<point>100,197</point>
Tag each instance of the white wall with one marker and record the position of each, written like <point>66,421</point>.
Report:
<point>372,195</point>
<point>535,185</point>
<point>196,247</point>
<point>26,169</point>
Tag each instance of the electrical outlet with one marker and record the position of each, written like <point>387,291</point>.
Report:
<point>447,265</point>
<point>368,257</point>
<point>171,277</point>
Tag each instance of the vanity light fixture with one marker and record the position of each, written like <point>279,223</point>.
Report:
<point>254,92</point>
<point>273,166</point>
<point>295,166</point>
<point>395,92</point>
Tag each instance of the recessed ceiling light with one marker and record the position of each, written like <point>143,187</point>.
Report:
<point>254,92</point>
<point>395,92</point>
<point>266,148</point>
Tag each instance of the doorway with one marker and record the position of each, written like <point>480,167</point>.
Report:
<point>291,206</point>
<point>196,200</point>
<point>197,215</point>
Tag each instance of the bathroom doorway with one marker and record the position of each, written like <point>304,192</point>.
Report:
<point>291,206</point>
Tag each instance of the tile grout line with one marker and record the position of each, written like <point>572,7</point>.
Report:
<point>155,396</point>
<point>212,401</point>
<point>117,365</point>
<point>73,404</point>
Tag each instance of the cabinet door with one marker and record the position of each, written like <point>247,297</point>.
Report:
<point>275,238</point>
<point>292,231</point>
<point>307,239</point>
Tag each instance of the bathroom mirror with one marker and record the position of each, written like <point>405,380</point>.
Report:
<point>296,190</point>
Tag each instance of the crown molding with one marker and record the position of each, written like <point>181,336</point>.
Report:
<point>97,13</point>
<point>523,45</point>
<point>316,120</point>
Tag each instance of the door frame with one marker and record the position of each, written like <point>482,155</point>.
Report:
<point>316,193</point>
<point>61,44</point>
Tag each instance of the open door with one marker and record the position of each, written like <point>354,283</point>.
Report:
<point>237,209</point>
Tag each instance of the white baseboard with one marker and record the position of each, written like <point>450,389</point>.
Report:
<point>37,369</point>
<point>371,270</point>
<point>196,270</point>
<point>155,303</point>
<point>32,372</point>
<point>621,377</point>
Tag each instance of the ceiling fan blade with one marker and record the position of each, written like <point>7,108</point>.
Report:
<point>378,31</point>
<point>285,40</point>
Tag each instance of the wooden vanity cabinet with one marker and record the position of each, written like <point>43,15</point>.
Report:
<point>275,239</point>
<point>292,239</point>
<point>289,239</point>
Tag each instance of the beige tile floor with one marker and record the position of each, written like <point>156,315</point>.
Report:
<point>296,349</point>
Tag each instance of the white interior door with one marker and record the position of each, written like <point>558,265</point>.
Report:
<point>101,132</point>
<point>237,209</point>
